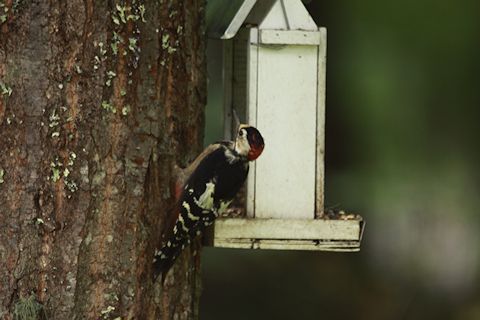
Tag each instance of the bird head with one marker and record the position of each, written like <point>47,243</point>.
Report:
<point>249,142</point>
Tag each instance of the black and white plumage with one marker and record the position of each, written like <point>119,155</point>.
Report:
<point>215,178</point>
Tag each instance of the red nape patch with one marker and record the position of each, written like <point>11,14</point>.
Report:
<point>254,152</point>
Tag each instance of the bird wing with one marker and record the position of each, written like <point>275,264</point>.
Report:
<point>209,155</point>
<point>196,197</point>
<point>208,150</point>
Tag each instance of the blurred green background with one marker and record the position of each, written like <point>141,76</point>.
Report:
<point>403,113</point>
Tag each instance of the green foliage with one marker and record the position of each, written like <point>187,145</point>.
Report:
<point>123,14</point>
<point>108,107</point>
<point>5,90</point>
<point>55,166</point>
<point>28,309</point>
<point>4,10</point>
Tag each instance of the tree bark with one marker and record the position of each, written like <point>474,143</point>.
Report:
<point>99,102</point>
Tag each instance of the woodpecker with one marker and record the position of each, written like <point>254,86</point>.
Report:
<point>215,177</point>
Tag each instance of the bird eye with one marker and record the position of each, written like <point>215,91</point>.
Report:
<point>240,133</point>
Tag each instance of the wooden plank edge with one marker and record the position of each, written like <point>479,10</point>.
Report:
<point>291,229</point>
<point>286,244</point>
<point>340,246</point>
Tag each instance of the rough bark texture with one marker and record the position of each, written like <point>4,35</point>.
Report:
<point>99,102</point>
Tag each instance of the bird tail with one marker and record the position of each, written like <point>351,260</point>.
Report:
<point>165,257</point>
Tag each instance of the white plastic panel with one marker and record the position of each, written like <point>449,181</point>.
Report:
<point>288,15</point>
<point>295,37</point>
<point>275,19</point>
<point>239,18</point>
<point>297,16</point>
<point>286,114</point>
<point>225,17</point>
<point>320,175</point>
<point>287,234</point>
<point>292,229</point>
<point>252,87</point>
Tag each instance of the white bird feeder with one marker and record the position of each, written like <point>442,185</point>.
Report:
<point>274,59</point>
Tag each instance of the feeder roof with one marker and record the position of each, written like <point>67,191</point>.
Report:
<point>224,18</point>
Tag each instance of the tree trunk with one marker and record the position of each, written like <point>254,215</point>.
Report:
<point>99,102</point>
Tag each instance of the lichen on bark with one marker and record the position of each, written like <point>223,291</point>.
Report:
<point>86,190</point>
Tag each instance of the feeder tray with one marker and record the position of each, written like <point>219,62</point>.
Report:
<point>340,232</point>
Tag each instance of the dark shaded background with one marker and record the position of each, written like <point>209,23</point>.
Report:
<point>403,112</point>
